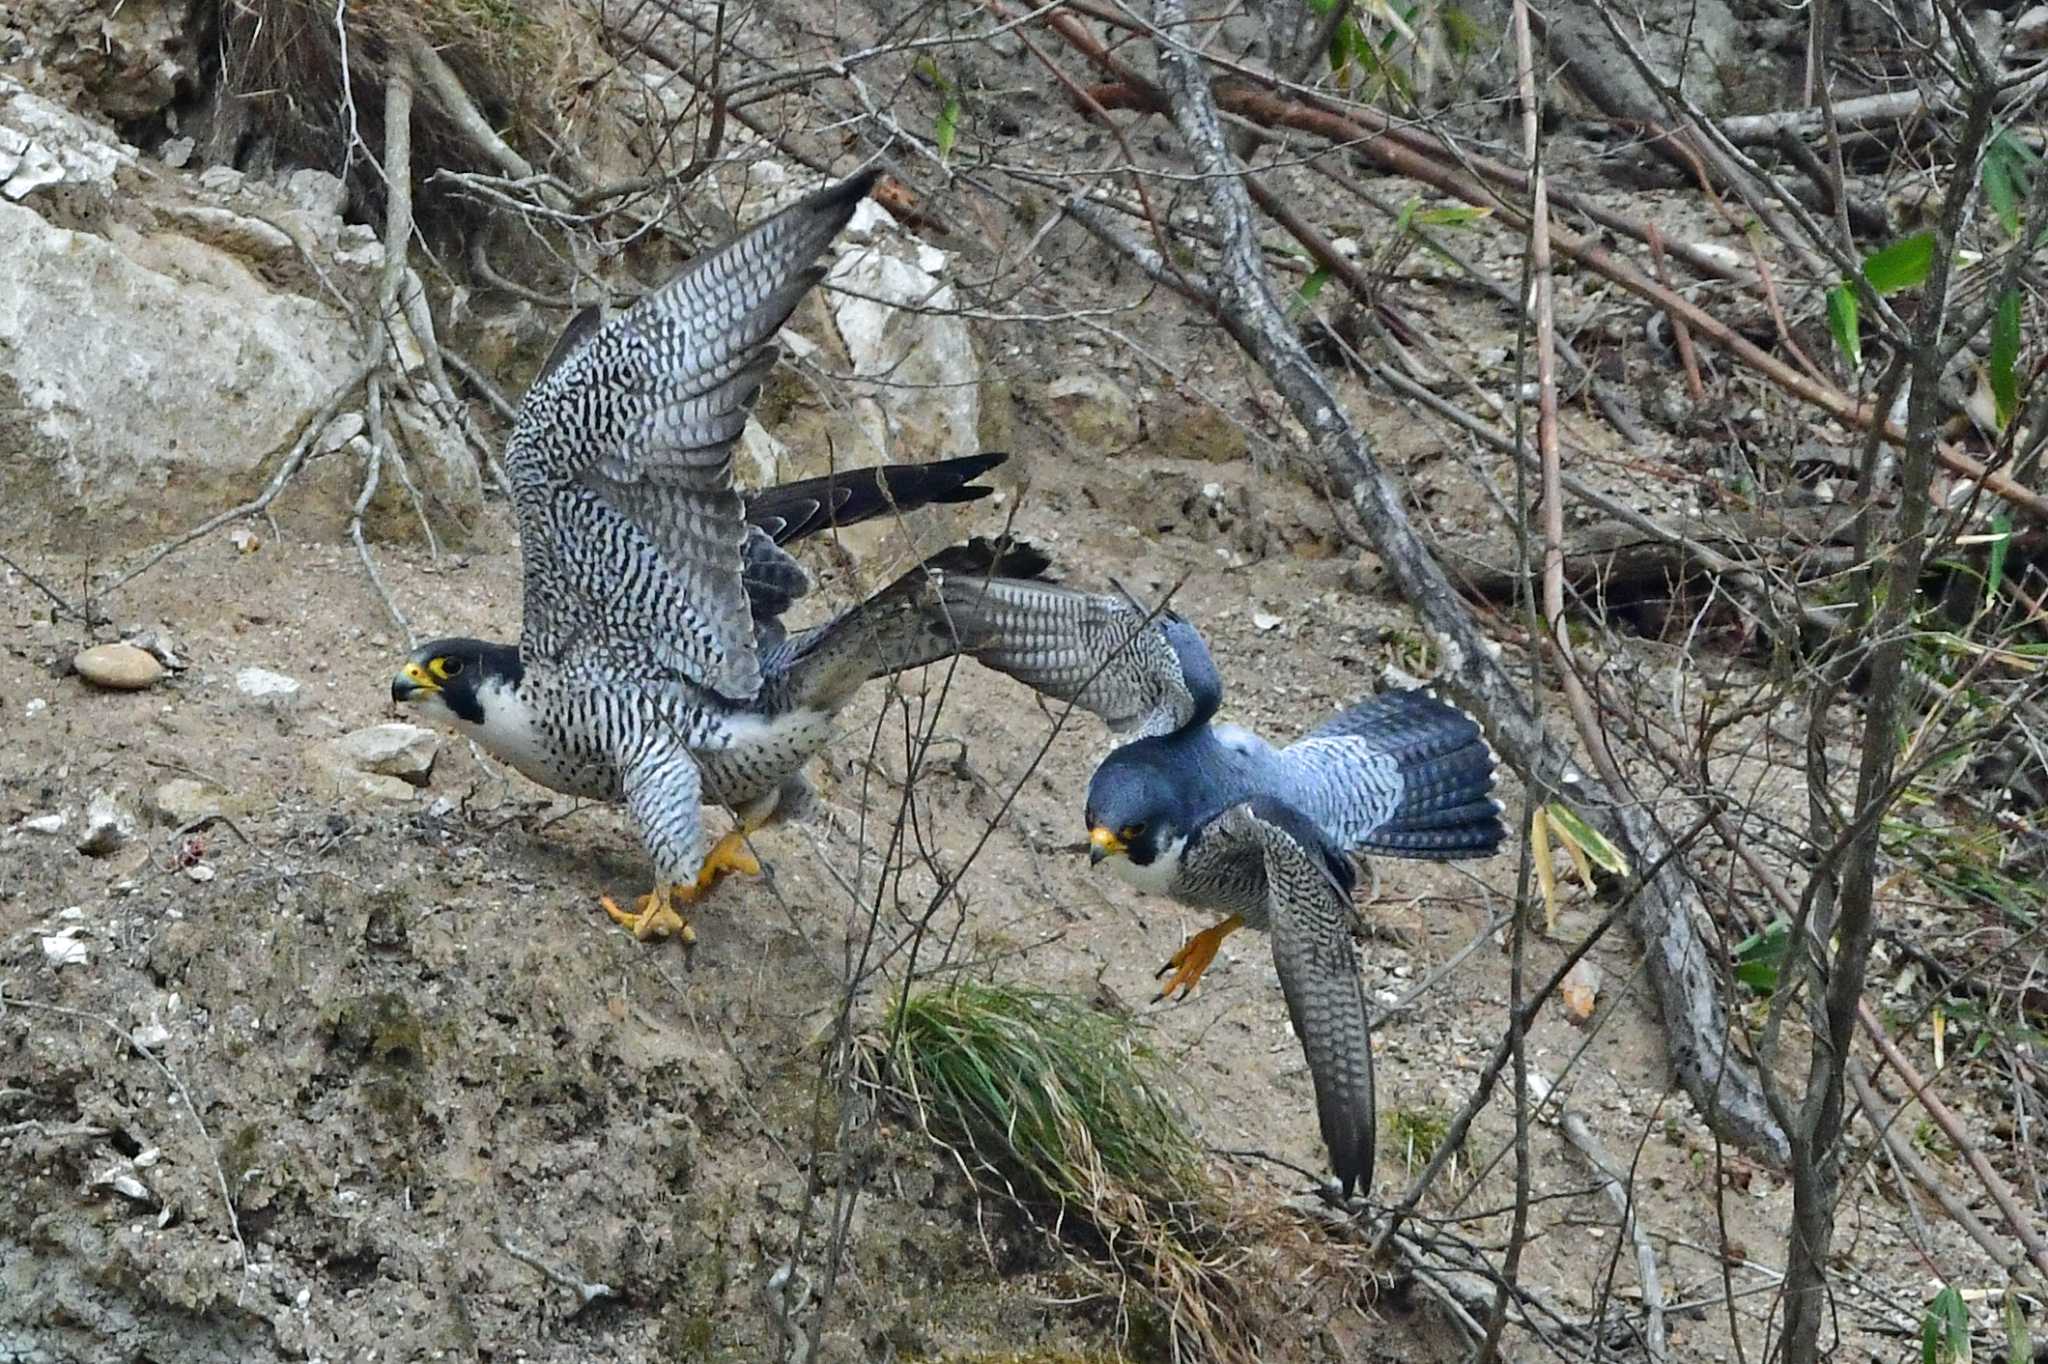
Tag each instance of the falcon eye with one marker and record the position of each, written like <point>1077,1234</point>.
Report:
<point>1132,832</point>
<point>448,667</point>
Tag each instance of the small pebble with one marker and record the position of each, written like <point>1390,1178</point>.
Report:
<point>42,824</point>
<point>272,689</point>
<point>118,667</point>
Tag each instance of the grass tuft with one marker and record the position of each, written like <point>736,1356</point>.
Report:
<point>1063,1111</point>
<point>1044,1087</point>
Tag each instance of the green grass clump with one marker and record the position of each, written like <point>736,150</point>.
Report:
<point>1041,1085</point>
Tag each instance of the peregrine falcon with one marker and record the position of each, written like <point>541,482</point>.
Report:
<point>652,665</point>
<point>1216,818</point>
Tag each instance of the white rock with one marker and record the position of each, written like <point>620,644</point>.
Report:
<point>1265,620</point>
<point>268,688</point>
<point>391,750</point>
<point>108,826</point>
<point>42,824</point>
<point>927,381</point>
<point>151,1036</point>
<point>199,872</point>
<point>61,949</point>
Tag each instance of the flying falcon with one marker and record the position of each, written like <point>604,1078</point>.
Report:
<point>652,665</point>
<point>1218,819</point>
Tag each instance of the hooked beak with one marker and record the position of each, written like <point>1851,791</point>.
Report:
<point>411,683</point>
<point>1102,843</point>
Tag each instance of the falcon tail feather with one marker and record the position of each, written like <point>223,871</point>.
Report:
<point>1447,809</point>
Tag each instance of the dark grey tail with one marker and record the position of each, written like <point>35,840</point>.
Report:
<point>790,511</point>
<point>903,626</point>
<point>1446,810</point>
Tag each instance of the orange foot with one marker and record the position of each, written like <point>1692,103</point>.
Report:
<point>1194,957</point>
<point>655,914</point>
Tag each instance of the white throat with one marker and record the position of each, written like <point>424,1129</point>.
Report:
<point>1157,878</point>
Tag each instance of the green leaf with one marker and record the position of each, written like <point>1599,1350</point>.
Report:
<point>1902,265</point>
<point>2019,1342</point>
<point>1305,297</point>
<point>1592,843</point>
<point>1843,325</point>
<point>1460,215</point>
<point>2008,163</point>
<point>948,126</point>
<point>1945,1330</point>
<point>2005,355</point>
<point>1760,957</point>
<point>1994,572</point>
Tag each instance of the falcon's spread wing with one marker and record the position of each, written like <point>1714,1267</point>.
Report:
<point>621,461</point>
<point>1144,674</point>
<point>1308,903</point>
<point>1403,774</point>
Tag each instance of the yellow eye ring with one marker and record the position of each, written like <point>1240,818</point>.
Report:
<point>1131,832</point>
<point>447,667</point>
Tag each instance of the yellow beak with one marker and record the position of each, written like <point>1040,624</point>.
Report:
<point>412,682</point>
<point>1102,843</point>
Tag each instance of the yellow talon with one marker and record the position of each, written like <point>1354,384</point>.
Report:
<point>654,915</point>
<point>729,854</point>
<point>1194,957</point>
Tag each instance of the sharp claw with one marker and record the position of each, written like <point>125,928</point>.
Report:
<point>653,917</point>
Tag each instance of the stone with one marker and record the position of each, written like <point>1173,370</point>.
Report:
<point>62,949</point>
<point>267,688</point>
<point>331,774</point>
<point>2030,30</point>
<point>1095,411</point>
<point>156,372</point>
<point>183,801</point>
<point>892,317</point>
<point>108,826</point>
<point>118,667</point>
<point>391,750</point>
<point>42,824</point>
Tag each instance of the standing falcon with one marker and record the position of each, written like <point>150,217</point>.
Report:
<point>1216,818</point>
<point>652,664</point>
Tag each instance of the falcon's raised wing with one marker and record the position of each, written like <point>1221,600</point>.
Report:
<point>621,461</point>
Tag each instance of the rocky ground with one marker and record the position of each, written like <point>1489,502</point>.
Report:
<point>419,1056</point>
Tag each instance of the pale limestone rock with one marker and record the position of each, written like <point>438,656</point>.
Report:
<point>108,826</point>
<point>391,750</point>
<point>921,368</point>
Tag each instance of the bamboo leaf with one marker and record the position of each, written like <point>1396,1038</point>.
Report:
<point>1574,830</point>
<point>2005,354</point>
<point>1760,957</point>
<point>1546,875</point>
<point>2008,164</point>
<point>1994,572</point>
<point>2019,1343</point>
<point>948,126</point>
<point>1843,324</point>
<point>1904,264</point>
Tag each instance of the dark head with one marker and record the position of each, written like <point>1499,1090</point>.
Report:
<point>1139,806</point>
<point>456,676</point>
